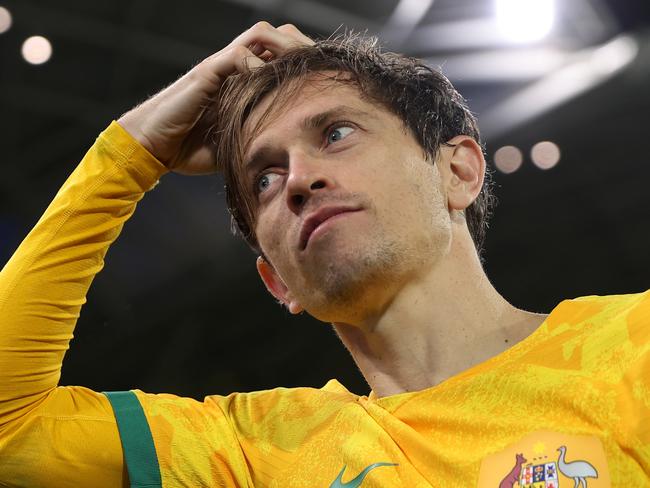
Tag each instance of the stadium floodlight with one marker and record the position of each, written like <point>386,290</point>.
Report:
<point>525,20</point>
<point>36,50</point>
<point>5,20</point>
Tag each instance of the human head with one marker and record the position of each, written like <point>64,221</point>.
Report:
<point>426,102</point>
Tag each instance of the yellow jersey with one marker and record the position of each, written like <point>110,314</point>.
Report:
<point>567,406</point>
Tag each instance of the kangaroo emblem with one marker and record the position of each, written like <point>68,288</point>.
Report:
<point>513,476</point>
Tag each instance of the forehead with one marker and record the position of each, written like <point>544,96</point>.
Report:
<point>292,106</point>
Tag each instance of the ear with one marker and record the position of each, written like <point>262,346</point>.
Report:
<point>463,170</point>
<point>276,286</point>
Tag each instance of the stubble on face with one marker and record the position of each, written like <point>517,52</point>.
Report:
<point>344,279</point>
<point>355,266</point>
<point>353,276</point>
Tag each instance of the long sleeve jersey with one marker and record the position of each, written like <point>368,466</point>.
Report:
<point>567,406</point>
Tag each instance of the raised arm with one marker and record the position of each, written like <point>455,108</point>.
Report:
<point>66,436</point>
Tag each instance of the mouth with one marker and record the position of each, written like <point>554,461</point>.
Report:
<point>316,220</point>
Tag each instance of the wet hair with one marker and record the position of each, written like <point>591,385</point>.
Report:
<point>424,99</point>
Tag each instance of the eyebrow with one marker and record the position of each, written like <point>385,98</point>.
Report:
<point>317,120</point>
<point>309,123</point>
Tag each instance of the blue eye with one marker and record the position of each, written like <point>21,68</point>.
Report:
<point>264,181</point>
<point>339,133</point>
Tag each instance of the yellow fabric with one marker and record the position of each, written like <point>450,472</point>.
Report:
<point>581,382</point>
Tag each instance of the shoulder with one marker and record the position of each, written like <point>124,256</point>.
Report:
<point>301,401</point>
<point>600,309</point>
<point>250,411</point>
<point>235,430</point>
<point>599,332</point>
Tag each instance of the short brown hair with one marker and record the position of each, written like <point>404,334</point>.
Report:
<point>424,99</point>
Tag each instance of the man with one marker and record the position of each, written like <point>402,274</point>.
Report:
<point>359,179</point>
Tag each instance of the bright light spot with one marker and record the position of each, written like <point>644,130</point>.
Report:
<point>508,159</point>
<point>589,68</point>
<point>525,20</point>
<point>409,12</point>
<point>36,50</point>
<point>545,154</point>
<point>611,57</point>
<point>5,20</point>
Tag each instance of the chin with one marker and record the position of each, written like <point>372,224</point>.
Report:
<point>337,286</point>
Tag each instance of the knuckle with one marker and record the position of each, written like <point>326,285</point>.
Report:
<point>288,28</point>
<point>262,25</point>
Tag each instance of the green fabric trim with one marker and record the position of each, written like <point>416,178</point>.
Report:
<point>137,441</point>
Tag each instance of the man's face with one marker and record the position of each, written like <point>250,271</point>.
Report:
<point>348,208</point>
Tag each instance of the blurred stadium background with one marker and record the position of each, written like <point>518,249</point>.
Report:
<point>179,307</point>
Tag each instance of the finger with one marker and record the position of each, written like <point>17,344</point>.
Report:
<point>267,36</point>
<point>244,60</point>
<point>292,31</point>
<point>249,39</point>
<point>241,54</point>
<point>289,30</point>
<point>266,55</point>
<point>232,60</point>
<point>260,51</point>
<point>256,48</point>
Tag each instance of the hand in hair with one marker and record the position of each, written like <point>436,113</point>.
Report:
<point>172,124</point>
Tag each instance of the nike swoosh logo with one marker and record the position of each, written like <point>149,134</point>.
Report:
<point>356,482</point>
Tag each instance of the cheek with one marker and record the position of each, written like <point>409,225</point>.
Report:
<point>271,235</point>
<point>420,186</point>
<point>423,202</point>
<point>427,184</point>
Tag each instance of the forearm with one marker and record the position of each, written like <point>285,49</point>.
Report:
<point>44,285</point>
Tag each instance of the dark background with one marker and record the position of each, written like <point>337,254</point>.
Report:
<point>179,307</point>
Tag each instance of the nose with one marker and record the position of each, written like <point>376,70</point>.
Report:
<point>307,175</point>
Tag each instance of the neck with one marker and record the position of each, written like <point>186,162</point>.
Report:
<point>436,326</point>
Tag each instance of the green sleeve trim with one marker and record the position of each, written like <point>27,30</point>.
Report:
<point>137,441</point>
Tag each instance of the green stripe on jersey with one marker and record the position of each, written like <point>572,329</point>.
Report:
<point>137,441</point>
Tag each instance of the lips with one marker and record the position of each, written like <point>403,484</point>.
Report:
<point>312,222</point>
